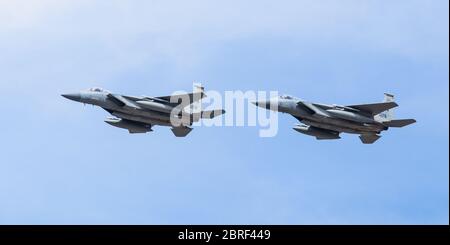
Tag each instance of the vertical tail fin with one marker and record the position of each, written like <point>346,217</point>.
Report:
<point>388,97</point>
<point>198,88</point>
<point>389,114</point>
<point>198,94</point>
<point>195,108</point>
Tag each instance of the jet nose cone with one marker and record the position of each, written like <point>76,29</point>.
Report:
<point>261,103</point>
<point>266,104</point>
<point>74,97</point>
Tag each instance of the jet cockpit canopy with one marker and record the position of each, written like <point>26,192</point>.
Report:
<point>97,89</point>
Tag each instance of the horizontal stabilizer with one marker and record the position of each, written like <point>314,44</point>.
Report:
<point>212,114</point>
<point>181,131</point>
<point>369,138</point>
<point>376,108</point>
<point>399,123</point>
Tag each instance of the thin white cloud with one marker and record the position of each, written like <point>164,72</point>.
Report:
<point>400,26</point>
<point>131,33</point>
<point>26,14</point>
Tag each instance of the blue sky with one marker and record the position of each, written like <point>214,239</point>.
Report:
<point>61,164</point>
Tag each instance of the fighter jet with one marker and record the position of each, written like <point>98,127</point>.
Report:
<point>326,122</point>
<point>138,114</point>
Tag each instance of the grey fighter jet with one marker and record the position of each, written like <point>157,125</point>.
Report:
<point>140,114</point>
<point>326,122</point>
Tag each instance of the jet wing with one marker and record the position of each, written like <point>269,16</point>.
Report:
<point>187,99</point>
<point>183,98</point>
<point>376,108</point>
<point>121,101</point>
<point>313,109</point>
